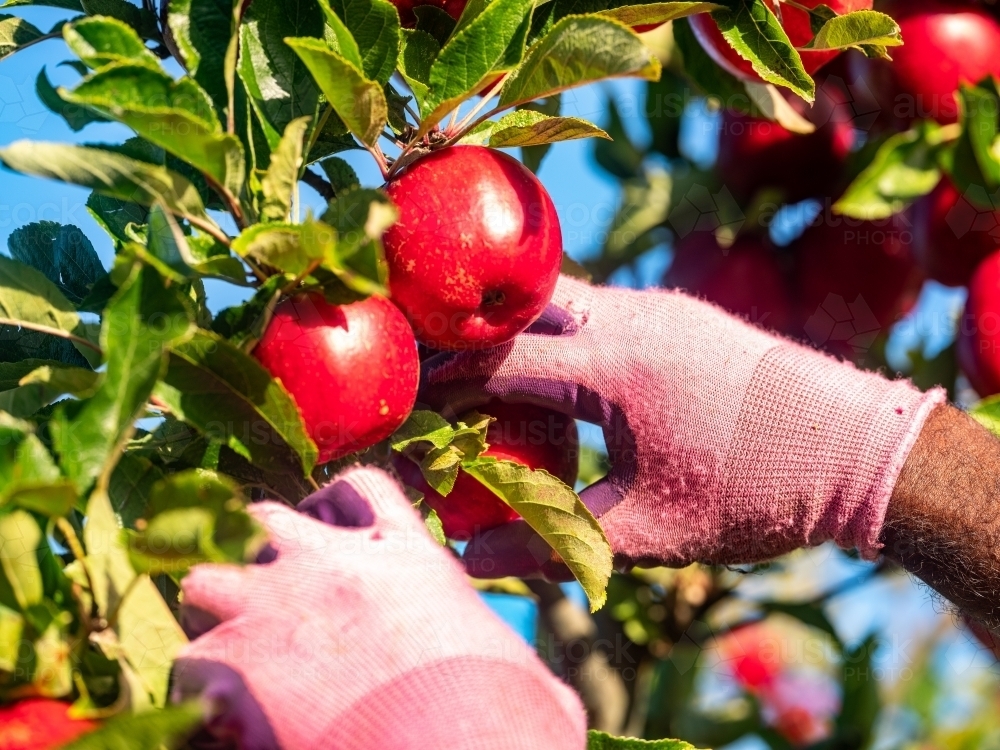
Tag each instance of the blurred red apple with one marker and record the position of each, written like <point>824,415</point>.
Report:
<point>952,234</point>
<point>39,724</point>
<point>745,279</point>
<point>945,44</point>
<point>978,341</point>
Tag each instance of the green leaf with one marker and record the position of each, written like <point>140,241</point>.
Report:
<point>76,117</point>
<point>527,128</point>
<point>579,50</point>
<point>101,40</point>
<point>243,325</point>
<point>975,163</point>
<point>167,728</point>
<point>66,4</point>
<point>14,33</point>
<point>440,447</point>
<point>471,54</point>
<point>109,173</point>
<point>130,485</point>
<point>62,253</point>
<point>284,246</point>
<point>904,169</point>
<point>193,517</point>
<point>144,319</point>
<point>374,25</point>
<point>557,514</point>
<point>53,670</point>
<point>11,638</point>
<point>30,300</point>
<point>857,29</point>
<point>706,75</point>
<point>144,632</point>
<point>417,55</point>
<point>202,31</point>
<point>114,214</point>
<point>20,538</point>
<point>30,477</point>
<point>601,741</point>
<point>142,19</point>
<point>282,175</point>
<point>359,101</point>
<point>278,83</point>
<point>176,115</point>
<point>226,394</point>
<point>860,690</point>
<point>758,37</point>
<point>341,175</point>
<point>360,217</point>
<point>653,13</point>
<point>987,413</point>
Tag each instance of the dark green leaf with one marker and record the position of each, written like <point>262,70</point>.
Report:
<point>144,319</point>
<point>579,50</point>
<point>114,214</point>
<point>341,175</point>
<point>14,33</point>
<point>142,19</point>
<point>359,101</point>
<point>375,27</point>
<point>76,117</point>
<point>975,164</point>
<point>30,300</point>
<point>757,36</point>
<point>62,253</point>
<point>29,478</point>
<point>244,324</point>
<point>709,77</point>
<point>226,394</point>
<point>202,31</point>
<point>99,41</point>
<point>130,485</point>
<point>860,701</point>
<point>419,50</point>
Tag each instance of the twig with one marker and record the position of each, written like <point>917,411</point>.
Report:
<point>73,542</point>
<point>52,331</point>
<point>321,186</point>
<point>314,136</point>
<point>209,227</point>
<point>298,279</point>
<point>379,157</point>
<point>482,103</point>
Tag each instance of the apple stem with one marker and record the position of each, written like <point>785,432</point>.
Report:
<point>298,279</point>
<point>462,127</point>
<point>379,158</point>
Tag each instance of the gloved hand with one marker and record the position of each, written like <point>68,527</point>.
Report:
<point>363,634</point>
<point>727,444</point>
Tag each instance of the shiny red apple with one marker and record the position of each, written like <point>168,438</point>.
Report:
<point>854,280</point>
<point>39,724</point>
<point>756,153</point>
<point>978,342</point>
<point>945,44</point>
<point>953,234</point>
<point>796,23</point>
<point>526,434</point>
<point>352,369</point>
<point>475,255</point>
<point>745,279</point>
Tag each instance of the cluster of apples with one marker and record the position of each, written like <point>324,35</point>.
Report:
<point>942,237</point>
<point>473,260</point>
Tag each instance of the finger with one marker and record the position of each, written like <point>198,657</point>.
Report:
<point>338,504</point>
<point>391,509</point>
<point>213,591</point>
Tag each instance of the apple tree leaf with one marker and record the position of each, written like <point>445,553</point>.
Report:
<point>15,33</point>
<point>359,101</point>
<point>905,167</point>
<point>579,50</point>
<point>101,40</point>
<point>752,29</point>
<point>282,174</point>
<point>440,447</point>
<point>528,128</point>
<point>858,29</point>
<point>654,13</point>
<point>556,512</point>
<point>63,253</point>
<point>227,395</point>
<point>148,730</point>
<point>976,163</point>
<point>597,740</point>
<point>202,31</point>
<point>374,25</point>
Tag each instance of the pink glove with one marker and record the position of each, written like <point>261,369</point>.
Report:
<point>363,634</point>
<point>727,444</point>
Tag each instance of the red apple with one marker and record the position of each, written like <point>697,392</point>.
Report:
<point>39,724</point>
<point>796,24</point>
<point>854,280</point>
<point>408,18</point>
<point>945,44</point>
<point>952,234</point>
<point>352,369</point>
<point>745,279</point>
<point>756,153</point>
<point>475,255</point>
<point>978,341</point>
<point>526,434</point>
